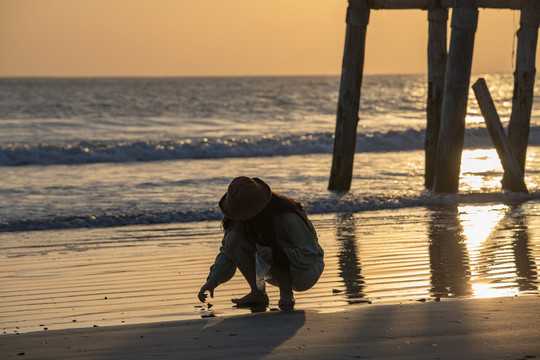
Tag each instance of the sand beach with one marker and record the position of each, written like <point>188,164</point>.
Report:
<point>430,282</point>
<point>496,328</point>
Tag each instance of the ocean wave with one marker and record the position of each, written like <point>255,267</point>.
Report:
<point>85,152</point>
<point>334,203</point>
<point>108,220</point>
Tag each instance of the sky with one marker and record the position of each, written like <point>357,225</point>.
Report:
<point>223,38</point>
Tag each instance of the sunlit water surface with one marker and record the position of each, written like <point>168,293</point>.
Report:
<point>109,189</point>
<point>139,274</point>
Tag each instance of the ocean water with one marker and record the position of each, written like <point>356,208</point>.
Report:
<point>122,151</point>
<point>109,192</point>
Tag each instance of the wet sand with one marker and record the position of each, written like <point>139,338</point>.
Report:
<point>152,273</point>
<point>496,328</point>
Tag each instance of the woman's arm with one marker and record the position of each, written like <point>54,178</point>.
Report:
<point>222,270</point>
<point>303,250</point>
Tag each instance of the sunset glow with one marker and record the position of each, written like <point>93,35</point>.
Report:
<point>237,37</point>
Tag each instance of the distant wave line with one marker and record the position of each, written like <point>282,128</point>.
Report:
<point>85,152</point>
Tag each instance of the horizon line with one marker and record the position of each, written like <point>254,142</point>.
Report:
<point>217,76</point>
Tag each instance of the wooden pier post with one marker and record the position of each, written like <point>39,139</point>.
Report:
<point>456,91</point>
<point>349,95</point>
<point>512,172</point>
<point>437,54</point>
<point>518,128</point>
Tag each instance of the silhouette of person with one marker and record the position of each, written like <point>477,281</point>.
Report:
<point>260,222</point>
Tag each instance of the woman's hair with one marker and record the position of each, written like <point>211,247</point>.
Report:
<point>261,229</point>
<point>278,203</point>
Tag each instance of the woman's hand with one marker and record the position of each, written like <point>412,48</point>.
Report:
<point>210,285</point>
<point>265,252</point>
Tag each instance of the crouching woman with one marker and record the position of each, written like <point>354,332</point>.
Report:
<point>258,221</point>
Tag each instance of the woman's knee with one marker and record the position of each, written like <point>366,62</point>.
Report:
<point>302,281</point>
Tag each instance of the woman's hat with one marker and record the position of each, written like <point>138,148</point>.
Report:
<point>245,198</point>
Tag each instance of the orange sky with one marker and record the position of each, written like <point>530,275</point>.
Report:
<point>221,37</point>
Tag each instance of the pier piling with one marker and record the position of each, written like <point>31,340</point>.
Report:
<point>512,172</point>
<point>518,128</point>
<point>349,95</point>
<point>437,55</point>
<point>456,91</point>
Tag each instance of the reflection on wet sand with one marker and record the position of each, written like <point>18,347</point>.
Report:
<point>450,273</point>
<point>527,276</point>
<point>469,250</point>
<point>155,271</point>
<point>349,262</point>
<point>483,251</point>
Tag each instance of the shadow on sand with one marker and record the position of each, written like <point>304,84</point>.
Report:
<point>251,337</point>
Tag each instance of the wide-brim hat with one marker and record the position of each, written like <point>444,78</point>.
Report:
<point>245,198</point>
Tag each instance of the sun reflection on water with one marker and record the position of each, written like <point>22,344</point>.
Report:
<point>490,259</point>
<point>481,170</point>
<point>487,290</point>
<point>478,223</point>
<point>476,119</point>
